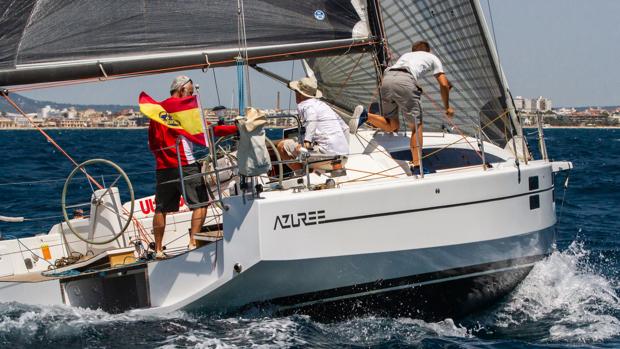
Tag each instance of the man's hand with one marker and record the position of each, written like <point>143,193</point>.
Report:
<point>449,112</point>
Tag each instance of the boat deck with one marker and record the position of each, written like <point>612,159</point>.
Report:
<point>28,277</point>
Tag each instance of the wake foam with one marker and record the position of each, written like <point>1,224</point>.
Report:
<point>566,295</point>
<point>370,331</point>
<point>35,324</point>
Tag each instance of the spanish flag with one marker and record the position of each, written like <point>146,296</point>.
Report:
<point>178,113</point>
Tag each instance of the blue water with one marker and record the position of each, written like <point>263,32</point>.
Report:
<point>569,299</point>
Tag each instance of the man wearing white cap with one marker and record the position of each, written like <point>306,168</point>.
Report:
<point>326,132</point>
<point>163,145</point>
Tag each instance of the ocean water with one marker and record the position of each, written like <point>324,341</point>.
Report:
<point>570,299</point>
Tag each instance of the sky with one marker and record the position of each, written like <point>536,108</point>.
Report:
<point>565,50</point>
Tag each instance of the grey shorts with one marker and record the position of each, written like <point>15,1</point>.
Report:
<point>399,93</point>
<point>168,195</point>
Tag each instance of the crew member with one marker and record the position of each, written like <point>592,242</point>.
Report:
<point>326,132</point>
<point>162,143</point>
<point>400,92</point>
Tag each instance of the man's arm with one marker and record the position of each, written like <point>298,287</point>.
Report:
<point>310,122</point>
<point>444,87</point>
<point>224,130</point>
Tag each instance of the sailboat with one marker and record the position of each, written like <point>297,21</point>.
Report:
<point>370,237</point>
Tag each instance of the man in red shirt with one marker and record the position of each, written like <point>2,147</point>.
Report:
<point>162,143</point>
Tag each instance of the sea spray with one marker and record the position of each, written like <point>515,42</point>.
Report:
<point>564,298</point>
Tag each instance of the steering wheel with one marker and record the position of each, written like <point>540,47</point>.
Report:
<point>97,198</point>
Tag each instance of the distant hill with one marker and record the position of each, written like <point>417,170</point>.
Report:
<point>582,108</point>
<point>30,105</point>
<point>606,107</point>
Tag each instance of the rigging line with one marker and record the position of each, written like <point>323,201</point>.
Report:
<point>494,39</point>
<point>31,251</point>
<point>51,140</point>
<point>501,72</point>
<point>440,149</point>
<point>243,51</point>
<point>245,48</point>
<point>290,92</point>
<point>423,157</point>
<point>434,103</point>
<point>379,173</point>
<point>374,173</point>
<point>217,89</point>
<point>346,81</point>
<point>497,117</point>
<point>64,179</point>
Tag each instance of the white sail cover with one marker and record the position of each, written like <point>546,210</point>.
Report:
<point>458,35</point>
<point>41,38</point>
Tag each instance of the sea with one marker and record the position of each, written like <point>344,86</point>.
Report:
<point>570,299</point>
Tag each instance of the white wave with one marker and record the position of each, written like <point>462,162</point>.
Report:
<point>240,332</point>
<point>565,291</point>
<point>62,321</point>
<point>368,331</point>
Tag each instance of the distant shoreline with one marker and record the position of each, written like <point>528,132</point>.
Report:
<point>73,128</point>
<point>145,127</point>
<point>580,127</point>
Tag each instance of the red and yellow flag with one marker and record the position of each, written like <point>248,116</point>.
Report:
<point>179,113</point>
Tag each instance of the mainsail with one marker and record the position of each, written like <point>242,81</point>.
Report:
<point>52,40</point>
<point>457,33</point>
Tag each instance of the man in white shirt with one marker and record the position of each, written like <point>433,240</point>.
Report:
<point>326,132</point>
<point>400,92</point>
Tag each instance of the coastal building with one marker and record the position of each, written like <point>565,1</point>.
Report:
<point>542,104</point>
<point>90,113</point>
<point>72,123</point>
<point>47,112</point>
<point>124,121</point>
<point>527,105</point>
<point>70,113</point>
<point>595,111</point>
<point>566,111</point>
<point>523,105</point>
<point>6,123</point>
<point>21,121</point>
<point>518,101</point>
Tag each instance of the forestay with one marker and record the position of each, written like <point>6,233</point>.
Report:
<point>457,33</point>
<point>51,40</point>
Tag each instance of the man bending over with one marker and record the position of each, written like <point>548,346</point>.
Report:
<point>400,93</point>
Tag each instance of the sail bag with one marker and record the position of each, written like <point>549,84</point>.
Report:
<point>252,153</point>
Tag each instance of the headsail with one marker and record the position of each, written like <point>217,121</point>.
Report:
<point>457,33</point>
<point>50,40</point>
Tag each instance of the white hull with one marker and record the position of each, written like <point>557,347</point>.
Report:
<point>366,243</point>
